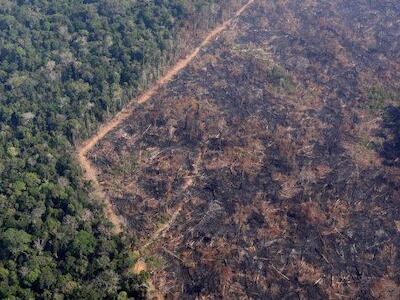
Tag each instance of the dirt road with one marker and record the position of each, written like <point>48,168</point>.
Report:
<point>89,170</point>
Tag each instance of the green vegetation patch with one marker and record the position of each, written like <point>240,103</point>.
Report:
<point>65,67</point>
<point>379,97</point>
<point>279,77</point>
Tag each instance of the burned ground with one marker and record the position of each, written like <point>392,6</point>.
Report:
<point>278,151</point>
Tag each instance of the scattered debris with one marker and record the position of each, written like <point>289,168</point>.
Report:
<point>266,161</point>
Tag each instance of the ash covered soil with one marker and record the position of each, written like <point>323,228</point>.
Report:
<point>277,153</point>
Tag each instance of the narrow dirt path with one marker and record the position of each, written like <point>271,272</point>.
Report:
<point>89,170</point>
<point>187,184</point>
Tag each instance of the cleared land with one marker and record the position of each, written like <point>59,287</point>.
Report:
<point>89,169</point>
<point>266,169</point>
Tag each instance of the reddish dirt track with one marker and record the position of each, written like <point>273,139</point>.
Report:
<point>89,170</point>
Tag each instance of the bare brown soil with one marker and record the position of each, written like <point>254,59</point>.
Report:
<point>265,169</point>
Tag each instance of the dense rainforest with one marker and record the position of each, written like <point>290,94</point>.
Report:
<point>65,67</point>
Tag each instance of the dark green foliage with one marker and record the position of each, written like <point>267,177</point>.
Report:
<point>66,66</point>
<point>280,78</point>
<point>391,146</point>
<point>378,96</point>
<point>379,93</point>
